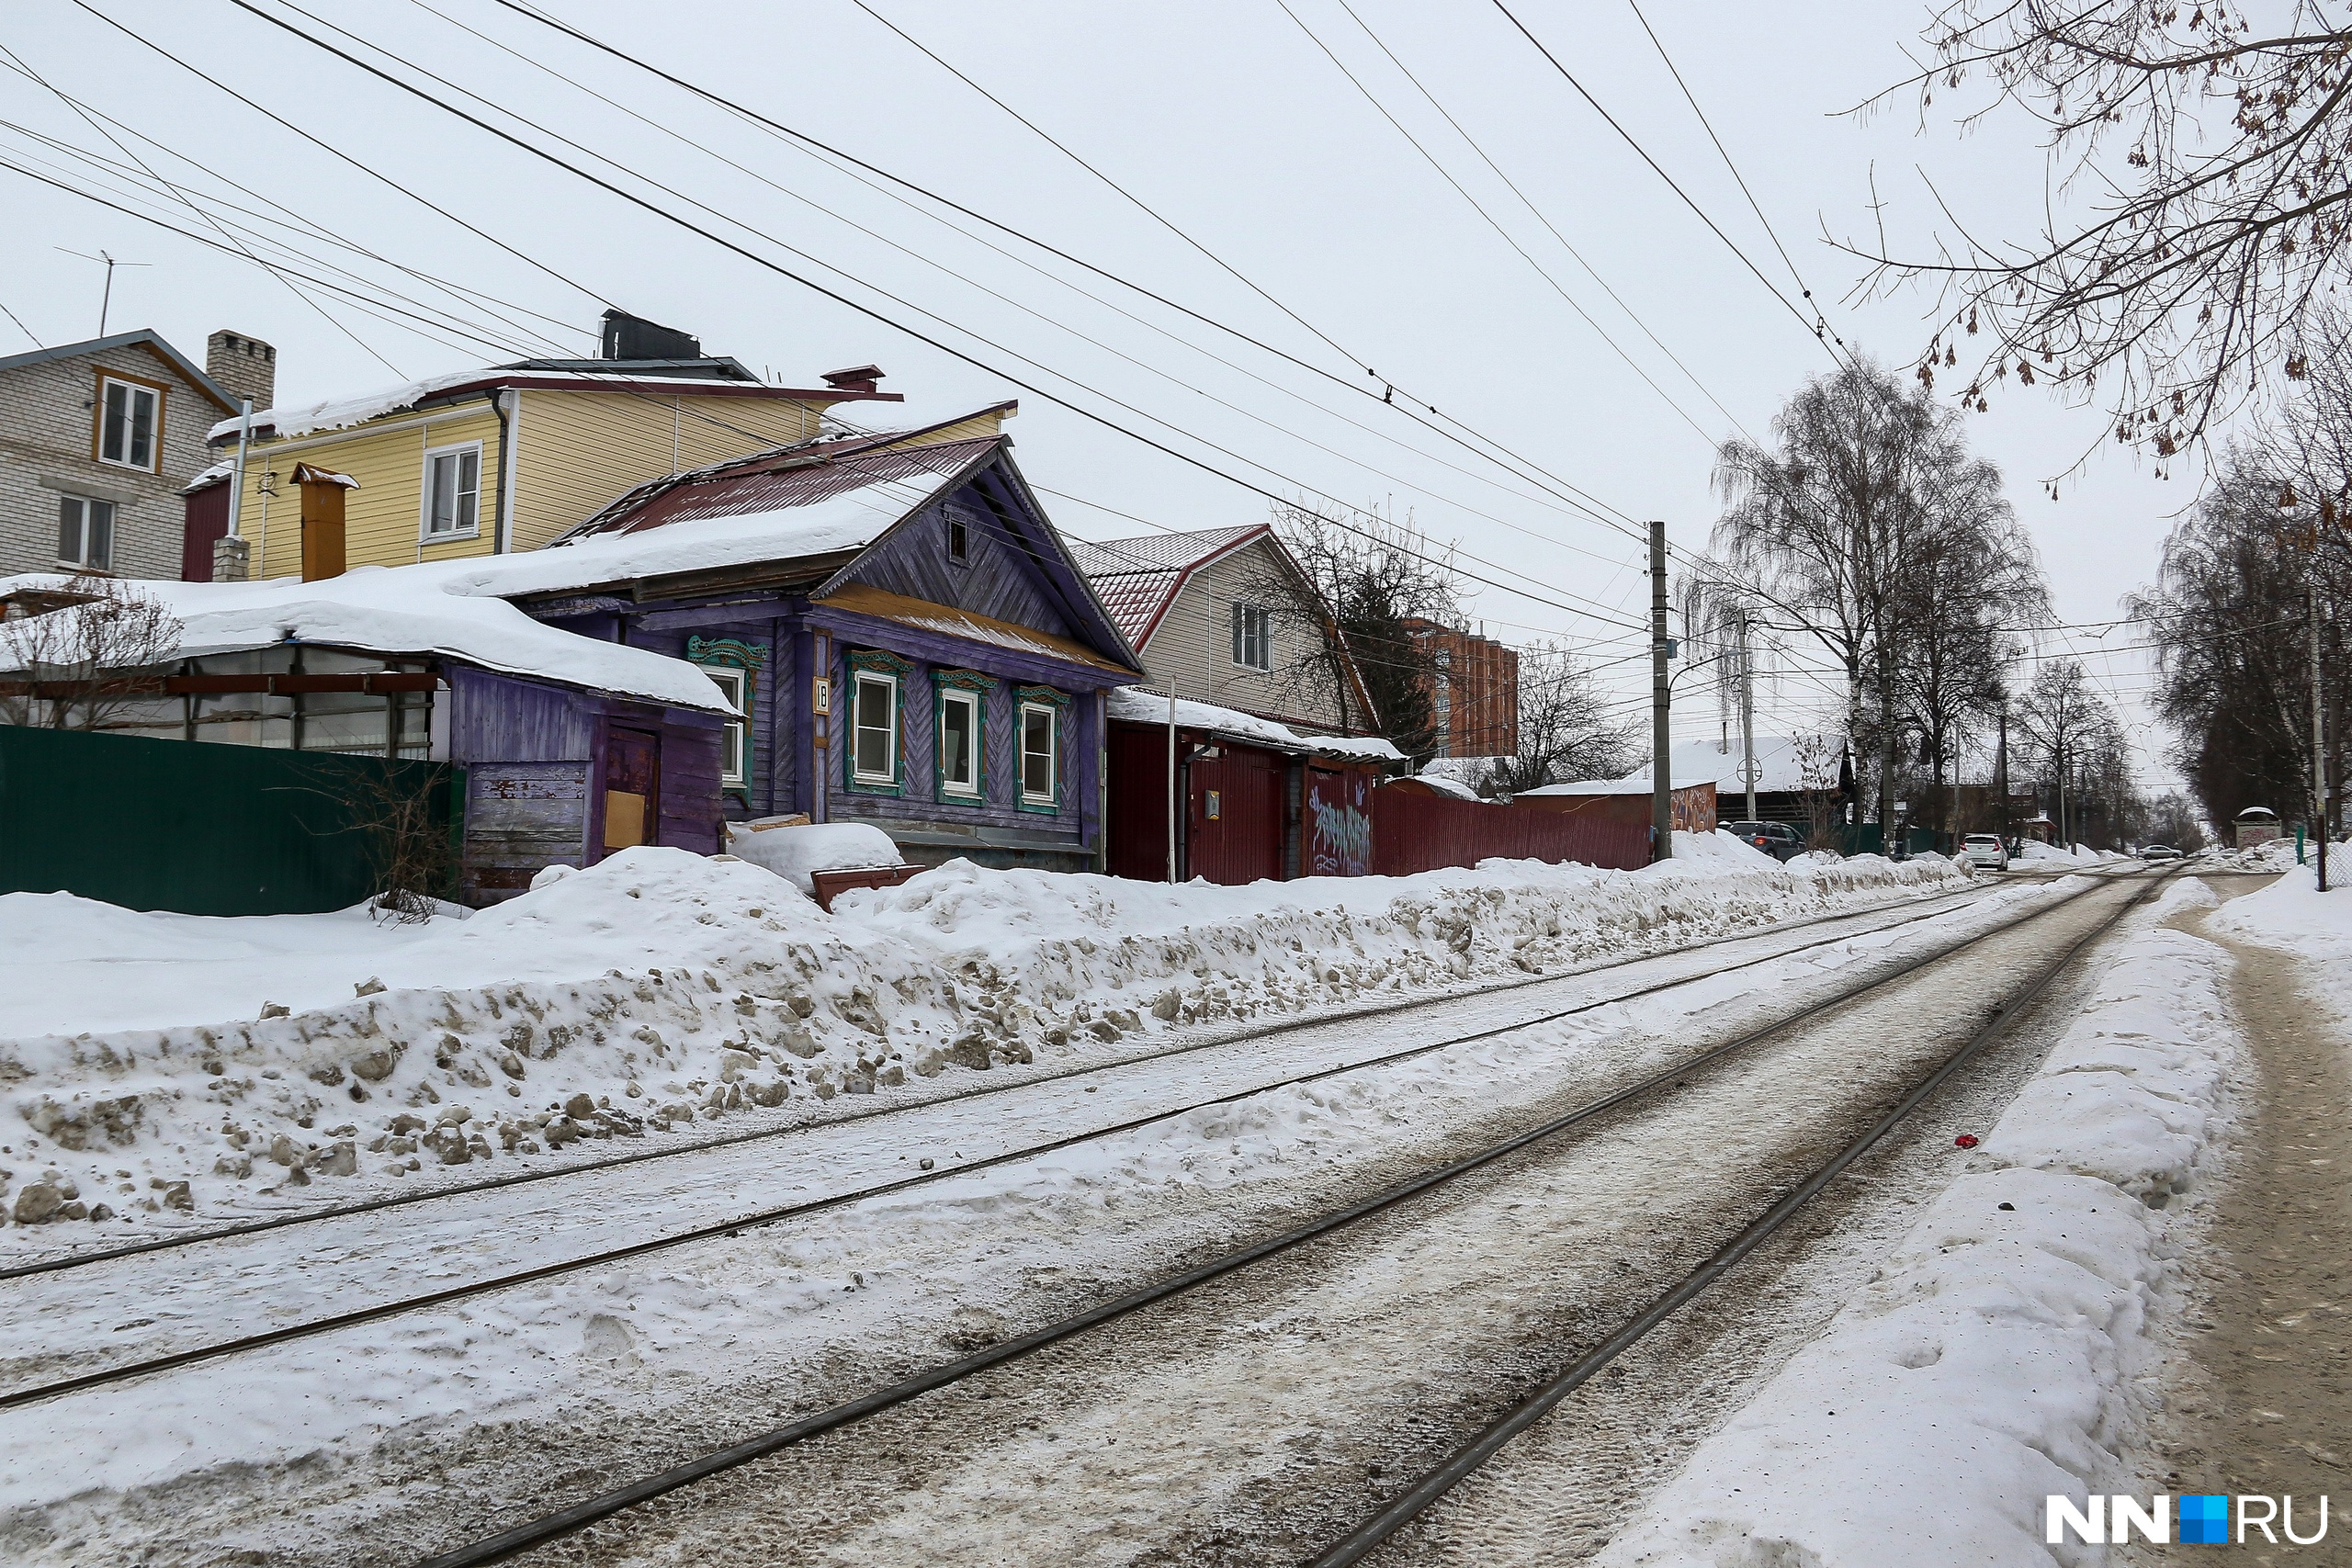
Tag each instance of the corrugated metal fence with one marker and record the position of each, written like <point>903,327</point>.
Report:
<point>199,829</point>
<point>1423,833</point>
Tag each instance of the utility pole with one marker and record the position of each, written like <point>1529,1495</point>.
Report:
<point>1748,768</point>
<point>1661,700</point>
<point>2001,772</point>
<point>1171,780</point>
<point>2319,735</point>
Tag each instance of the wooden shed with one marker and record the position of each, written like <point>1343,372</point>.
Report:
<point>565,750</point>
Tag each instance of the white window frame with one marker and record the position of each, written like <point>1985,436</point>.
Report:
<point>1053,792</point>
<point>1252,631</point>
<point>975,788</point>
<point>455,451</point>
<point>81,558</point>
<point>134,391</point>
<point>889,776</point>
<point>735,767</point>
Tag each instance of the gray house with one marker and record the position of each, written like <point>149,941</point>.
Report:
<point>98,438</point>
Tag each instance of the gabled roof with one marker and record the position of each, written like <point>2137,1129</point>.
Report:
<point>143,338</point>
<point>1137,579</point>
<point>803,515</point>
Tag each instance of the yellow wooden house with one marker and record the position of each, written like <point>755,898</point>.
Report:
<point>509,457</point>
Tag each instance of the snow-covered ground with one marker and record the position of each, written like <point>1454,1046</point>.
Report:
<point>314,1439</point>
<point>164,1066</point>
<point>1994,1358</point>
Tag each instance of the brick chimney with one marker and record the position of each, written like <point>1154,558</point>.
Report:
<point>244,366</point>
<point>857,379</point>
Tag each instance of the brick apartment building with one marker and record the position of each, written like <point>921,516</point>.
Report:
<point>1475,702</point>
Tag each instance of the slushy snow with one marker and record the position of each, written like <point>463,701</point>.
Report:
<point>1992,1360</point>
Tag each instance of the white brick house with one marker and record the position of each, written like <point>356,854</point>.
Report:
<point>96,440</point>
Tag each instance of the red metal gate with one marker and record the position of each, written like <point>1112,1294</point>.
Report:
<point>1336,837</point>
<point>1234,833</point>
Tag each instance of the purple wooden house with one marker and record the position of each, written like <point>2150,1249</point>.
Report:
<point>904,634</point>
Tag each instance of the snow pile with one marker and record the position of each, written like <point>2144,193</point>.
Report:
<point>794,850</point>
<point>1989,1363</point>
<point>659,990</point>
<point>2051,854</point>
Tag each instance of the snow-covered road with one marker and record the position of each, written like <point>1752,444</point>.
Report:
<point>608,1370</point>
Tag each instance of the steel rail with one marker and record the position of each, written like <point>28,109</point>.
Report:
<point>1018,1081</point>
<point>578,1516</point>
<point>106,1375</point>
<point>1373,1532</point>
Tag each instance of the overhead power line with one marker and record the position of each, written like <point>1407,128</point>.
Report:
<point>1388,393</point>
<point>1820,333</point>
<point>1821,320</point>
<point>867,310</point>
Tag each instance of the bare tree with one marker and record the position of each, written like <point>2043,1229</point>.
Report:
<point>1869,529</point>
<point>2228,614</point>
<point>1377,581</point>
<point>76,664</point>
<point>2213,160</point>
<point>1564,731</point>
<point>1820,762</point>
<point>2070,738</point>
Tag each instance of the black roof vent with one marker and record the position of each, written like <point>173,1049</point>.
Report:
<point>634,337</point>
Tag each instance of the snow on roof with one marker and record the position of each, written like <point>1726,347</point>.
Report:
<point>211,476</point>
<point>1617,786</point>
<point>1446,785</point>
<point>409,611</point>
<point>1781,768</point>
<point>850,520</point>
<point>1137,705</point>
<point>340,413</point>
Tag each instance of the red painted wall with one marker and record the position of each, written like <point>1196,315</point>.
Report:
<point>207,519</point>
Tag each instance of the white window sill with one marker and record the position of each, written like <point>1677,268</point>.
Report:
<point>962,798</point>
<point>126,467</point>
<point>450,538</point>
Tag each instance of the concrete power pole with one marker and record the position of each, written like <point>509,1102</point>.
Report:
<point>2319,738</point>
<point>1749,770</point>
<point>1661,702</point>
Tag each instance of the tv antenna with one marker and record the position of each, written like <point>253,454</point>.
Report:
<point>105,300</point>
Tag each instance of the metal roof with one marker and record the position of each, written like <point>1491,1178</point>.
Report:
<point>1137,579</point>
<point>144,338</point>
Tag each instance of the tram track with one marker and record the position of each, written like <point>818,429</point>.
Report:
<point>1012,1082</point>
<point>563,1522</point>
<point>152,1366</point>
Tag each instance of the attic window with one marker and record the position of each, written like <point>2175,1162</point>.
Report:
<point>958,544</point>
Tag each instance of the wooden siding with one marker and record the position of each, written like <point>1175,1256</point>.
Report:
<point>1194,643</point>
<point>384,517</point>
<point>522,818</point>
<point>998,579</point>
<point>496,718</point>
<point>576,452</point>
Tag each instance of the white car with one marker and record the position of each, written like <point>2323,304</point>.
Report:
<point>1984,849</point>
<point>2159,852</point>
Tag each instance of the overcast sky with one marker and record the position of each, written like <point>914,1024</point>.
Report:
<point>1229,120</point>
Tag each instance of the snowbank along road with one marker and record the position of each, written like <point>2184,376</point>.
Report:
<point>440,1423</point>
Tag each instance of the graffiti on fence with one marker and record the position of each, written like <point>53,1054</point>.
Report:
<point>1340,836</point>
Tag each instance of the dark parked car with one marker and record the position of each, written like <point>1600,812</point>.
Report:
<point>1779,840</point>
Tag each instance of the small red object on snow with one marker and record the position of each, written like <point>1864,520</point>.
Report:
<point>1966,1140</point>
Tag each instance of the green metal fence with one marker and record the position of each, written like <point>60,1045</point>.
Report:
<point>200,829</point>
